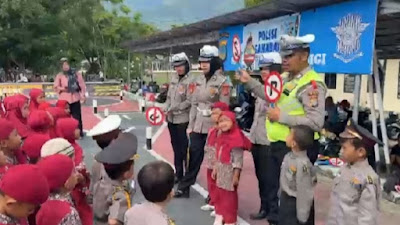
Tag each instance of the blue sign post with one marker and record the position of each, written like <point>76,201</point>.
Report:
<point>344,36</point>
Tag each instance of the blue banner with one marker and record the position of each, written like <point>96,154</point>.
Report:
<point>344,36</point>
<point>230,47</point>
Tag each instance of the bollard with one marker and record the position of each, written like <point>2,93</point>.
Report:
<point>95,106</point>
<point>148,138</point>
<point>106,112</point>
<point>142,105</point>
<point>121,95</point>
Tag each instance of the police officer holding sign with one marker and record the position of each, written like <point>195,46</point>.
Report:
<point>260,144</point>
<point>206,89</point>
<point>177,109</point>
<point>301,103</point>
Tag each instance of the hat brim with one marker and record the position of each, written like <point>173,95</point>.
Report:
<point>180,63</point>
<point>204,59</point>
<point>285,53</point>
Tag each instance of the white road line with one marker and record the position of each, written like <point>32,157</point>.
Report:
<point>129,129</point>
<point>203,192</point>
<point>126,117</point>
<point>98,116</point>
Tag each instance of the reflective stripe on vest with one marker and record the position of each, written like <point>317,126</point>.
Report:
<point>291,105</point>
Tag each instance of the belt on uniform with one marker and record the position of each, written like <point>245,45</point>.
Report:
<point>204,112</point>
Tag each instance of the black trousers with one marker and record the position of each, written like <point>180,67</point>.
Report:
<point>260,158</point>
<point>288,211</point>
<point>276,154</point>
<point>196,156</point>
<point>313,152</point>
<point>180,142</point>
<point>76,113</point>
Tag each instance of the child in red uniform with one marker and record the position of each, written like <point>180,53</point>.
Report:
<point>10,141</point>
<point>17,113</point>
<point>39,122</point>
<point>68,128</point>
<point>22,189</point>
<point>60,174</point>
<point>209,150</point>
<point>32,146</point>
<point>62,104</point>
<point>44,106</point>
<point>230,145</point>
<point>37,97</point>
<point>55,114</point>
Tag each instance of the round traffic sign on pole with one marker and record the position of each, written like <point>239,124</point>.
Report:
<point>155,116</point>
<point>236,48</point>
<point>273,87</point>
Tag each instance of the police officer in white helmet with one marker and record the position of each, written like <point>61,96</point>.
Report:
<point>178,105</point>
<point>206,89</point>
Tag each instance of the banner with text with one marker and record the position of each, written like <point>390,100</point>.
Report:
<point>344,36</point>
<point>263,37</point>
<point>241,46</point>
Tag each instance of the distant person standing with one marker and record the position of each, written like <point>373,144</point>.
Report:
<point>70,86</point>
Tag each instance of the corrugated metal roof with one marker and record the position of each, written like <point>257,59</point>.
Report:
<point>272,9</point>
<point>193,36</point>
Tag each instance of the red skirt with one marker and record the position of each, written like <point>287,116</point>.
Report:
<point>228,205</point>
<point>211,187</point>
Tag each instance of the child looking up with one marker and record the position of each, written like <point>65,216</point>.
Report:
<point>297,179</point>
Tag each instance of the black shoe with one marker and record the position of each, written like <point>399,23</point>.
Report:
<point>208,199</point>
<point>177,180</point>
<point>272,222</point>
<point>259,216</point>
<point>182,194</point>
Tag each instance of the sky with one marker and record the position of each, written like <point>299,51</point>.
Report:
<point>164,13</point>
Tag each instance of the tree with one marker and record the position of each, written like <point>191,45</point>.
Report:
<point>251,3</point>
<point>35,34</point>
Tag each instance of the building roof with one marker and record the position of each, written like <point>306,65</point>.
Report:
<point>190,38</point>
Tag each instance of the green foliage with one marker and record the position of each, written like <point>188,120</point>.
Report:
<point>251,3</point>
<point>35,34</point>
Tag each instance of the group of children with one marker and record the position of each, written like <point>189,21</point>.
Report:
<point>355,194</point>
<point>44,180</point>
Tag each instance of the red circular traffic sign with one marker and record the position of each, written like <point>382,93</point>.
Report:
<point>155,116</point>
<point>273,87</point>
<point>336,162</point>
<point>236,48</point>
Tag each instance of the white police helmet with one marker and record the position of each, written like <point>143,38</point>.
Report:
<point>207,52</point>
<point>267,59</point>
<point>179,59</point>
<point>291,43</point>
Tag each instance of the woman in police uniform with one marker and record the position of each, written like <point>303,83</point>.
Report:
<point>177,108</point>
<point>208,88</point>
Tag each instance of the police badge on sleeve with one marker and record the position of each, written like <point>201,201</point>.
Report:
<point>225,89</point>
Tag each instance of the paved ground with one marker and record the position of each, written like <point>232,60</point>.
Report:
<point>182,211</point>
<point>187,211</point>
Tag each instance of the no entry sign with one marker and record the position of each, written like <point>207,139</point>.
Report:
<point>236,48</point>
<point>273,87</point>
<point>155,116</point>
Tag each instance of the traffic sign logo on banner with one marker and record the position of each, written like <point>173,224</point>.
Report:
<point>155,116</point>
<point>236,48</point>
<point>273,87</point>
